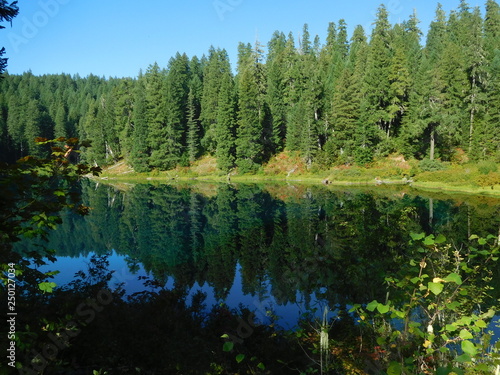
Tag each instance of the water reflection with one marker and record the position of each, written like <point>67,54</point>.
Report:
<point>283,242</point>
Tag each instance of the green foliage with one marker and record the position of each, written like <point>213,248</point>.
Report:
<point>346,100</point>
<point>431,165</point>
<point>487,166</point>
<point>490,179</point>
<point>434,300</point>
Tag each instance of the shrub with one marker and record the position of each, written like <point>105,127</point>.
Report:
<point>363,155</point>
<point>487,166</point>
<point>490,179</point>
<point>428,165</point>
<point>247,166</point>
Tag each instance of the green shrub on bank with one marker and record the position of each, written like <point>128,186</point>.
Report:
<point>487,166</point>
<point>490,179</point>
<point>428,165</point>
<point>456,175</point>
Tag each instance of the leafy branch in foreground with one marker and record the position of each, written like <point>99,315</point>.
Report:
<point>438,308</point>
<point>35,190</point>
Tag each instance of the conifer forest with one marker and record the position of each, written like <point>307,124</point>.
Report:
<point>343,100</point>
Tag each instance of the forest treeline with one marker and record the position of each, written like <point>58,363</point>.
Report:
<point>345,100</point>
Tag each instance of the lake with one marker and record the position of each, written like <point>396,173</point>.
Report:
<point>284,243</point>
<point>279,250</point>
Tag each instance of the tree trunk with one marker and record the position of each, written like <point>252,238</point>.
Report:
<point>431,211</point>
<point>433,143</point>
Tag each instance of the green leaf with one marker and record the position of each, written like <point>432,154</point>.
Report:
<point>261,366</point>
<point>451,327</point>
<point>240,357</point>
<point>52,273</point>
<point>481,324</point>
<point>47,287</point>
<point>354,308</point>
<point>488,315</point>
<point>415,280</point>
<point>440,239</point>
<point>435,288</point>
<point>469,348</point>
<point>399,314</point>
<point>429,240</point>
<point>463,358</point>
<point>417,236</point>
<point>59,193</point>
<point>473,237</point>
<point>228,346</point>
<point>481,241</point>
<point>382,308</point>
<point>224,336</point>
<point>453,278</point>
<point>466,335</point>
<point>395,368</point>
<point>372,305</point>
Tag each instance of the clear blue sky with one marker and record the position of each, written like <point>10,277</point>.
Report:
<point>120,37</point>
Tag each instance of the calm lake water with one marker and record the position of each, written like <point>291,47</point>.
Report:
<point>280,248</point>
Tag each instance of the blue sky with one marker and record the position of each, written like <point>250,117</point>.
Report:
<point>119,37</point>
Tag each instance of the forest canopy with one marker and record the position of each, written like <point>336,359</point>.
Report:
<point>345,100</point>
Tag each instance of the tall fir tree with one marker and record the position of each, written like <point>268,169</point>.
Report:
<point>140,152</point>
<point>226,126</point>
<point>216,66</point>
<point>275,67</point>
<point>252,109</point>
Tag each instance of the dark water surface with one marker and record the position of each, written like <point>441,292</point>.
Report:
<point>275,248</point>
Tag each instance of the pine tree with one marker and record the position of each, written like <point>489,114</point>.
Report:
<point>252,109</point>
<point>375,123</point>
<point>60,126</point>
<point>487,138</point>
<point>226,126</point>
<point>176,103</point>
<point>275,67</point>
<point>156,116</point>
<point>16,126</point>
<point>216,66</point>
<point>140,153</point>
<point>491,29</point>
<point>7,13</point>
<point>193,128</point>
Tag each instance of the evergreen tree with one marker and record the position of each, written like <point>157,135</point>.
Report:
<point>226,126</point>
<point>60,124</point>
<point>252,109</point>
<point>491,29</point>
<point>156,117</point>
<point>176,105</point>
<point>275,67</point>
<point>376,122</point>
<point>7,13</point>
<point>140,153</point>
<point>216,66</point>
<point>193,135</point>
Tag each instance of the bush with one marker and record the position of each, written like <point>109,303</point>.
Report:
<point>490,179</point>
<point>428,165</point>
<point>363,155</point>
<point>487,166</point>
<point>247,166</point>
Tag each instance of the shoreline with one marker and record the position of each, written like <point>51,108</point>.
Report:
<point>313,180</point>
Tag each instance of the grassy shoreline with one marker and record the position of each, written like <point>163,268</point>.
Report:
<point>359,181</point>
<point>453,178</point>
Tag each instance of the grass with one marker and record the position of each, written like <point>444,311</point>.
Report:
<point>482,178</point>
